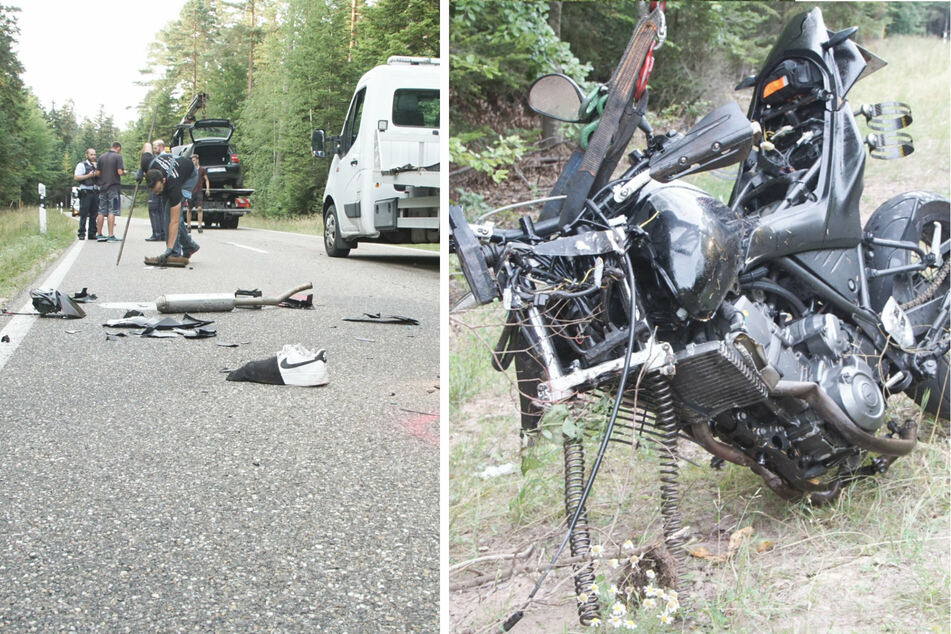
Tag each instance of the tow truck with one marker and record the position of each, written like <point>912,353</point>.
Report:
<point>209,139</point>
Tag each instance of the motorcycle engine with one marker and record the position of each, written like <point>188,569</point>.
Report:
<point>728,381</point>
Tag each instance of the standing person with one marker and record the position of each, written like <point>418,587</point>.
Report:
<point>169,178</point>
<point>86,175</point>
<point>196,199</point>
<point>155,218</point>
<point>155,207</point>
<point>110,170</point>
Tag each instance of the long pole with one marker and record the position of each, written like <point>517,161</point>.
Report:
<point>135,192</point>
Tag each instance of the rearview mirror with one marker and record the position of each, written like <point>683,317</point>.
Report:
<point>556,96</point>
<point>318,142</point>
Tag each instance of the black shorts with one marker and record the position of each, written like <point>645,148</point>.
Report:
<point>196,199</point>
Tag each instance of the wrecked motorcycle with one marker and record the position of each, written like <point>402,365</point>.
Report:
<point>769,330</point>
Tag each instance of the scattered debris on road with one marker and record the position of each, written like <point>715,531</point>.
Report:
<point>300,300</point>
<point>389,319</point>
<point>84,296</point>
<point>135,319</point>
<point>293,365</point>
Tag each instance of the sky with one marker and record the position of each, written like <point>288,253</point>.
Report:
<point>90,52</point>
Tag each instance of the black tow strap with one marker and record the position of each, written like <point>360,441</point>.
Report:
<point>620,96</point>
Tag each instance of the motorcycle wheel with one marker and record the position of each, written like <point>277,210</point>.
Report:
<point>911,217</point>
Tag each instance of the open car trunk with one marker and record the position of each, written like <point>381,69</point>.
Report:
<point>210,154</point>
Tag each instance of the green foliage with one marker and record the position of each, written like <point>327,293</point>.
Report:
<point>396,27</point>
<point>498,48</point>
<point>916,18</point>
<point>493,159</point>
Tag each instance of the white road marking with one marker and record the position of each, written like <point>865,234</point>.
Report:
<point>376,244</point>
<point>129,305</point>
<point>20,325</point>
<point>242,246</point>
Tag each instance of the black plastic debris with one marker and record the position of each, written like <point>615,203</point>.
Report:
<point>227,344</point>
<point>113,336</point>
<point>379,319</point>
<point>5,339</point>
<point>84,296</point>
<point>154,323</point>
<point>202,332</point>
<point>133,313</point>
<point>50,302</point>
<point>293,365</point>
<point>299,301</point>
<point>158,334</point>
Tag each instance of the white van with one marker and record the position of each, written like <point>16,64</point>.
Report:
<point>383,184</point>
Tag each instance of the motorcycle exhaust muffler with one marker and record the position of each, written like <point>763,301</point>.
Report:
<point>218,302</point>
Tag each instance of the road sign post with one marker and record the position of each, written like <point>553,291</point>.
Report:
<point>41,189</point>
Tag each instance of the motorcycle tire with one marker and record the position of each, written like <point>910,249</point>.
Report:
<point>911,217</point>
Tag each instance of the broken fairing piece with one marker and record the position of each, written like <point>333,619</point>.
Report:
<point>49,301</point>
<point>389,319</point>
<point>166,323</point>
<point>202,332</point>
<point>293,365</point>
<point>219,302</point>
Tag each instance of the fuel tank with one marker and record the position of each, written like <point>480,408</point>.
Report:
<point>694,241</point>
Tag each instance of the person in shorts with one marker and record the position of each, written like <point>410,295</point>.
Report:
<point>110,171</point>
<point>201,185</point>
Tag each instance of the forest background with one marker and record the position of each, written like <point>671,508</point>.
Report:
<point>497,49</point>
<point>276,68</point>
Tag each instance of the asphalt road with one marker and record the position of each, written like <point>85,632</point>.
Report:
<point>141,491</point>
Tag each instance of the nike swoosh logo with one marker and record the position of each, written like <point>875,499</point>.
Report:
<point>287,366</point>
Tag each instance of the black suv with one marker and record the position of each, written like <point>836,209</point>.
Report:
<point>210,141</point>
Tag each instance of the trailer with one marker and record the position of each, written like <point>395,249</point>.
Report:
<point>224,206</point>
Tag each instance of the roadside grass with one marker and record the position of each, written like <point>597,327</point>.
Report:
<point>876,559</point>
<point>311,225</point>
<point>23,249</point>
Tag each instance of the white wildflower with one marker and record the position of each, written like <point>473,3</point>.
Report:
<point>627,545</point>
<point>618,609</point>
<point>650,604</point>
<point>650,574</point>
<point>597,549</point>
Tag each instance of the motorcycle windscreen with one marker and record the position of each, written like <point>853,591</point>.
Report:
<point>695,241</point>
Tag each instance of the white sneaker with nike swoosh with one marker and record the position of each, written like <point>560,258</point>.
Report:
<point>300,366</point>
